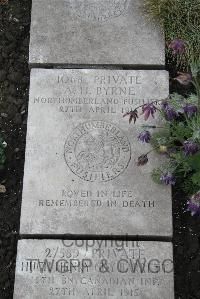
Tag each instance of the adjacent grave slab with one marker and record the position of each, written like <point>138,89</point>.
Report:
<point>68,32</point>
<point>80,168</point>
<point>93,269</point>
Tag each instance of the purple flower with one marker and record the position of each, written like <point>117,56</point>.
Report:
<point>177,46</point>
<point>142,160</point>
<point>184,78</point>
<point>190,109</point>
<point>144,136</point>
<point>168,179</point>
<point>170,113</point>
<point>193,205</point>
<point>148,109</point>
<point>133,115</point>
<point>164,105</point>
<point>190,147</point>
<point>193,208</point>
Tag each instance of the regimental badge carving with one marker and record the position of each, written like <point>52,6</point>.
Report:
<point>97,151</point>
<point>98,10</point>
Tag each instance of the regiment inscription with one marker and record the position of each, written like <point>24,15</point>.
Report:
<point>97,151</point>
<point>100,11</point>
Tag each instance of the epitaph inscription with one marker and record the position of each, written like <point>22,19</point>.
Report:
<point>97,151</point>
<point>99,11</point>
<point>93,269</point>
<point>81,155</point>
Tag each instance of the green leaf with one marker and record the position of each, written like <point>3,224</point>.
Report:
<point>156,174</point>
<point>160,138</point>
<point>196,178</point>
<point>188,186</point>
<point>194,162</point>
<point>181,132</point>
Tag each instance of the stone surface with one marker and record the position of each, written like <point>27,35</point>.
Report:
<point>94,32</point>
<point>80,173</point>
<point>93,269</point>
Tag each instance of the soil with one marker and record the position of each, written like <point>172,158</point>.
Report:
<point>14,86</point>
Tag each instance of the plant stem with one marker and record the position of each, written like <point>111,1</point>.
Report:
<point>156,101</point>
<point>197,87</point>
<point>153,127</point>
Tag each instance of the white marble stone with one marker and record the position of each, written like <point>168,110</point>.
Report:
<point>93,32</point>
<point>93,269</point>
<point>80,172</point>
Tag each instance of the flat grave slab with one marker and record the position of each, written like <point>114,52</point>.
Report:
<point>93,269</point>
<point>92,32</point>
<point>80,172</point>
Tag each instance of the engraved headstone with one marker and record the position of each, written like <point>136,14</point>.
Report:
<point>80,172</point>
<point>92,32</point>
<point>93,269</point>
